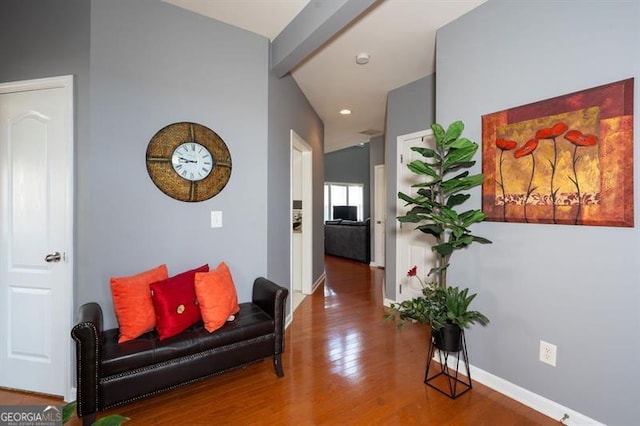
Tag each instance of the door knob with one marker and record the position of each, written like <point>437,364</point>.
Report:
<point>54,257</point>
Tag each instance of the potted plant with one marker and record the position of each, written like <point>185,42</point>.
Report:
<point>436,212</point>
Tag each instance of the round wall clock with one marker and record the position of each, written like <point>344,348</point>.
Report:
<point>188,162</point>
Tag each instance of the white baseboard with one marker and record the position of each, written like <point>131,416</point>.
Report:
<point>319,281</point>
<point>314,287</point>
<point>288,320</point>
<point>534,401</point>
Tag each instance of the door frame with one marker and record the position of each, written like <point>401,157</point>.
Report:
<point>400,141</point>
<point>380,214</point>
<point>66,83</point>
<point>301,145</point>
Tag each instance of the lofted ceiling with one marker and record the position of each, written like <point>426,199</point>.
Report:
<point>398,35</point>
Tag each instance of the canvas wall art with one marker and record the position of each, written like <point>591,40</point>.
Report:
<point>566,160</point>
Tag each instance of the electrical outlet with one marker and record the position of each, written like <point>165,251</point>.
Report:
<point>548,353</point>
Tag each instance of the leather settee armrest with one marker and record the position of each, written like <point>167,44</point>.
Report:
<point>272,299</point>
<point>87,333</point>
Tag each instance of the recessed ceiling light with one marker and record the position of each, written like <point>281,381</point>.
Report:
<point>345,111</point>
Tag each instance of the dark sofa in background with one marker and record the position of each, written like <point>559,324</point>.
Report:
<point>349,239</point>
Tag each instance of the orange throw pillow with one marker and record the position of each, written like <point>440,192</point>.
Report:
<point>217,296</point>
<point>132,302</point>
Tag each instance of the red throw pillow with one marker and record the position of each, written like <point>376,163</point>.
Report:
<point>132,302</point>
<point>175,303</point>
<point>217,296</point>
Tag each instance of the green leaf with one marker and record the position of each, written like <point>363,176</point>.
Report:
<point>421,210</point>
<point>457,199</point>
<point>449,213</point>
<point>439,133</point>
<point>454,185</point>
<point>436,269</point>
<point>444,249</point>
<point>426,184</point>
<point>425,152</point>
<point>432,229</point>
<point>67,411</point>
<point>481,240</point>
<point>426,193</point>
<point>408,199</point>
<point>464,241</point>
<point>460,165</point>
<point>422,168</point>
<point>461,143</point>
<point>472,216</point>
<point>408,219</point>
<point>112,420</point>
<point>454,131</point>
<point>456,156</point>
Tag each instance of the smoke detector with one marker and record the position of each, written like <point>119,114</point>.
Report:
<point>362,58</point>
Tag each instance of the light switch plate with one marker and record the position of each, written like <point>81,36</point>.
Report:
<point>216,219</point>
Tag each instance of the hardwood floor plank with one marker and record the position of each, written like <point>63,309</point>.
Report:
<point>343,365</point>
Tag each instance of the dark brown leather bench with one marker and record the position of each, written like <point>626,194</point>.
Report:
<point>111,373</point>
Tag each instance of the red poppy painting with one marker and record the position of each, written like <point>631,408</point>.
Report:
<point>566,160</point>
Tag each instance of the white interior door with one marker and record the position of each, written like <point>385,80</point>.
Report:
<point>36,234</point>
<point>413,247</point>
<point>380,196</point>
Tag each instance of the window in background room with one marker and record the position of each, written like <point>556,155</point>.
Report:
<point>342,194</point>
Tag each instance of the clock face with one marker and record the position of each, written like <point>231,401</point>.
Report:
<point>188,162</point>
<point>192,161</point>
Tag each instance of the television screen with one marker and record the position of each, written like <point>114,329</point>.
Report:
<point>345,212</point>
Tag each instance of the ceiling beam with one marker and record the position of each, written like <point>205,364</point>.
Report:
<point>311,28</point>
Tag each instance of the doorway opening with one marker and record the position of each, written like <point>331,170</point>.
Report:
<point>301,205</point>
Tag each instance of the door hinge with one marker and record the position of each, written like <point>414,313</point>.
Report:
<point>401,159</point>
<point>400,288</point>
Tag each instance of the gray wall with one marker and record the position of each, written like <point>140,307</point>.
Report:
<point>574,286</point>
<point>410,109</point>
<point>350,165</point>
<point>52,39</point>
<point>153,64</point>
<point>289,109</point>
<point>139,66</point>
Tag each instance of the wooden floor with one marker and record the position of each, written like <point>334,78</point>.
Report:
<point>343,366</point>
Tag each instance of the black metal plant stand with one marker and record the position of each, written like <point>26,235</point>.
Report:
<point>452,383</point>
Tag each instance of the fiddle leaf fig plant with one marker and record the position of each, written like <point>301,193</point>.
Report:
<point>437,211</point>
<point>437,203</point>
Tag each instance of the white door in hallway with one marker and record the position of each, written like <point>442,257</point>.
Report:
<point>380,212</point>
<point>36,234</point>
<point>413,247</point>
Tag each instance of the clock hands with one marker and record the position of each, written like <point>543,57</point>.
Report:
<point>186,160</point>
